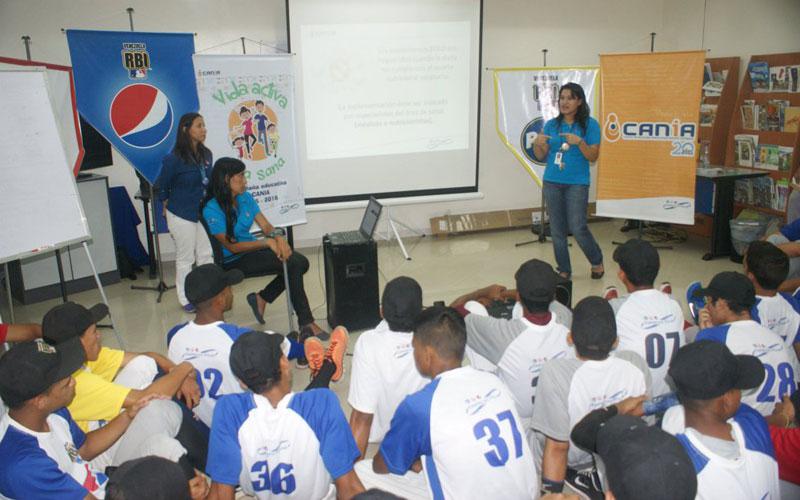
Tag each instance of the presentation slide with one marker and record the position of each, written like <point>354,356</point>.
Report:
<point>385,88</point>
<point>387,94</point>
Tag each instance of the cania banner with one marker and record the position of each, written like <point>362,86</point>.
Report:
<point>248,105</point>
<point>648,150</point>
<point>525,98</point>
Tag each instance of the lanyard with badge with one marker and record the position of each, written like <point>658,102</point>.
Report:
<point>559,159</point>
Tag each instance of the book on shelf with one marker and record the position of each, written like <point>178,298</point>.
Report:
<point>759,76</point>
<point>785,158</point>
<point>780,195</point>
<point>742,192</point>
<point>713,89</point>
<point>778,79</point>
<point>794,78</point>
<point>762,188</point>
<point>745,150</point>
<point>748,110</point>
<point>767,157</point>
<point>791,119</point>
<point>708,113</point>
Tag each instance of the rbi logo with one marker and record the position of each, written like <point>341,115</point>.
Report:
<point>141,115</point>
<point>529,133</point>
<point>136,60</point>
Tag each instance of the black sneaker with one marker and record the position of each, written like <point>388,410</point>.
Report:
<point>585,483</point>
<point>302,362</point>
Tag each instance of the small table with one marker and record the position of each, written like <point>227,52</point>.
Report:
<point>724,180</point>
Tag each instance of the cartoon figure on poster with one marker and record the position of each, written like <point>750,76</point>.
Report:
<point>246,119</point>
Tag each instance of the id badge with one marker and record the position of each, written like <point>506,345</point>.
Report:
<point>558,160</point>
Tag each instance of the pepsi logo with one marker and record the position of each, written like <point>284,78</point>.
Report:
<point>141,115</point>
<point>529,133</point>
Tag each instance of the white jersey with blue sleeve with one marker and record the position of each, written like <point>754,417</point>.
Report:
<point>293,450</point>
<point>650,323</point>
<point>780,363</point>
<point>751,474</point>
<point>45,465</point>
<point>465,428</point>
<point>780,314</point>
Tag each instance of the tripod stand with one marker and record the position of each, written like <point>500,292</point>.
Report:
<point>161,287</point>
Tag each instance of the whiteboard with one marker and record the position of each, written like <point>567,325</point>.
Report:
<point>40,208</point>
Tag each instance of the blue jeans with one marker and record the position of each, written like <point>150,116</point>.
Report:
<point>566,207</point>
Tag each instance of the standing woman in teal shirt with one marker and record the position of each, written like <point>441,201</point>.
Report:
<point>570,142</point>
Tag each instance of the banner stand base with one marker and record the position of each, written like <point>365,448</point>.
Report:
<point>640,236</point>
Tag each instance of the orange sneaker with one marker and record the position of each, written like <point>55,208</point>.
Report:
<point>315,354</point>
<point>336,351</point>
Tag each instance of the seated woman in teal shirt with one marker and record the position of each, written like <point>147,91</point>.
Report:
<point>569,142</point>
<point>230,212</point>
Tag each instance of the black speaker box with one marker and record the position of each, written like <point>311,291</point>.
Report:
<point>351,284</point>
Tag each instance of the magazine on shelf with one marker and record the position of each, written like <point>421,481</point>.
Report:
<point>767,157</point>
<point>759,76</point>
<point>742,192</point>
<point>778,80</point>
<point>748,110</point>
<point>707,73</point>
<point>794,78</point>
<point>780,195</point>
<point>785,158</point>
<point>762,191</point>
<point>713,89</point>
<point>746,147</point>
<point>708,113</point>
<point>791,119</point>
<point>773,116</point>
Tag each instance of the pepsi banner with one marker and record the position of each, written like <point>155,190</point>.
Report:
<point>525,98</point>
<point>248,104</point>
<point>133,87</point>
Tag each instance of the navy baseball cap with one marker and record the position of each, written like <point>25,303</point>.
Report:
<point>207,281</point>
<point>255,358</point>
<point>536,281</point>
<point>706,370</point>
<point>644,462</point>
<point>69,320</point>
<point>594,327</point>
<point>30,368</point>
<point>731,286</point>
<point>150,477</point>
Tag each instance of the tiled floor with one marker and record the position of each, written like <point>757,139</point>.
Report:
<point>445,267</point>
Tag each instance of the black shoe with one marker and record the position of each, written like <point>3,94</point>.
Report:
<point>253,301</point>
<point>308,332</point>
<point>630,225</point>
<point>585,483</point>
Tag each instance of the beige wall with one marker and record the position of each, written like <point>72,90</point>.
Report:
<point>514,33</point>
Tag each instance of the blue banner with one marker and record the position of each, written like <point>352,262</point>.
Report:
<point>133,88</point>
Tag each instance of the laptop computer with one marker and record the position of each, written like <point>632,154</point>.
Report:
<point>368,223</point>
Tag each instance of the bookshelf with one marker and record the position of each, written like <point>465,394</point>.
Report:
<point>717,133</point>
<point>789,141</point>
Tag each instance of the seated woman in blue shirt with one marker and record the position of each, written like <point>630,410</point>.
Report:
<point>569,142</point>
<point>230,212</point>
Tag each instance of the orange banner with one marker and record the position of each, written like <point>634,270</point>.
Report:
<point>651,104</point>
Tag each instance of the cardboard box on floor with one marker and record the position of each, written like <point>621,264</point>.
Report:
<point>484,221</point>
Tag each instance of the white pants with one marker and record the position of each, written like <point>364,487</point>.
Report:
<point>411,485</point>
<point>153,430</point>
<point>191,246</point>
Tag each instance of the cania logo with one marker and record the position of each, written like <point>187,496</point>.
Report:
<point>681,134</point>
<point>136,60</point>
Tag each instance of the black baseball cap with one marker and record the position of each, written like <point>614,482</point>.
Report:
<point>644,462</point>
<point>151,477</point>
<point>402,300</point>
<point>70,320</point>
<point>255,358</point>
<point>639,260</point>
<point>706,370</point>
<point>731,286</point>
<point>594,327</point>
<point>30,368</point>
<point>536,281</point>
<point>207,281</point>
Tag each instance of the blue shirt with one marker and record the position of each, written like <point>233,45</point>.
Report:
<point>792,230</point>
<point>246,211</point>
<point>183,185</point>
<point>261,121</point>
<point>575,166</point>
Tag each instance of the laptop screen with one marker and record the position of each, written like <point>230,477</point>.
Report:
<point>370,219</point>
